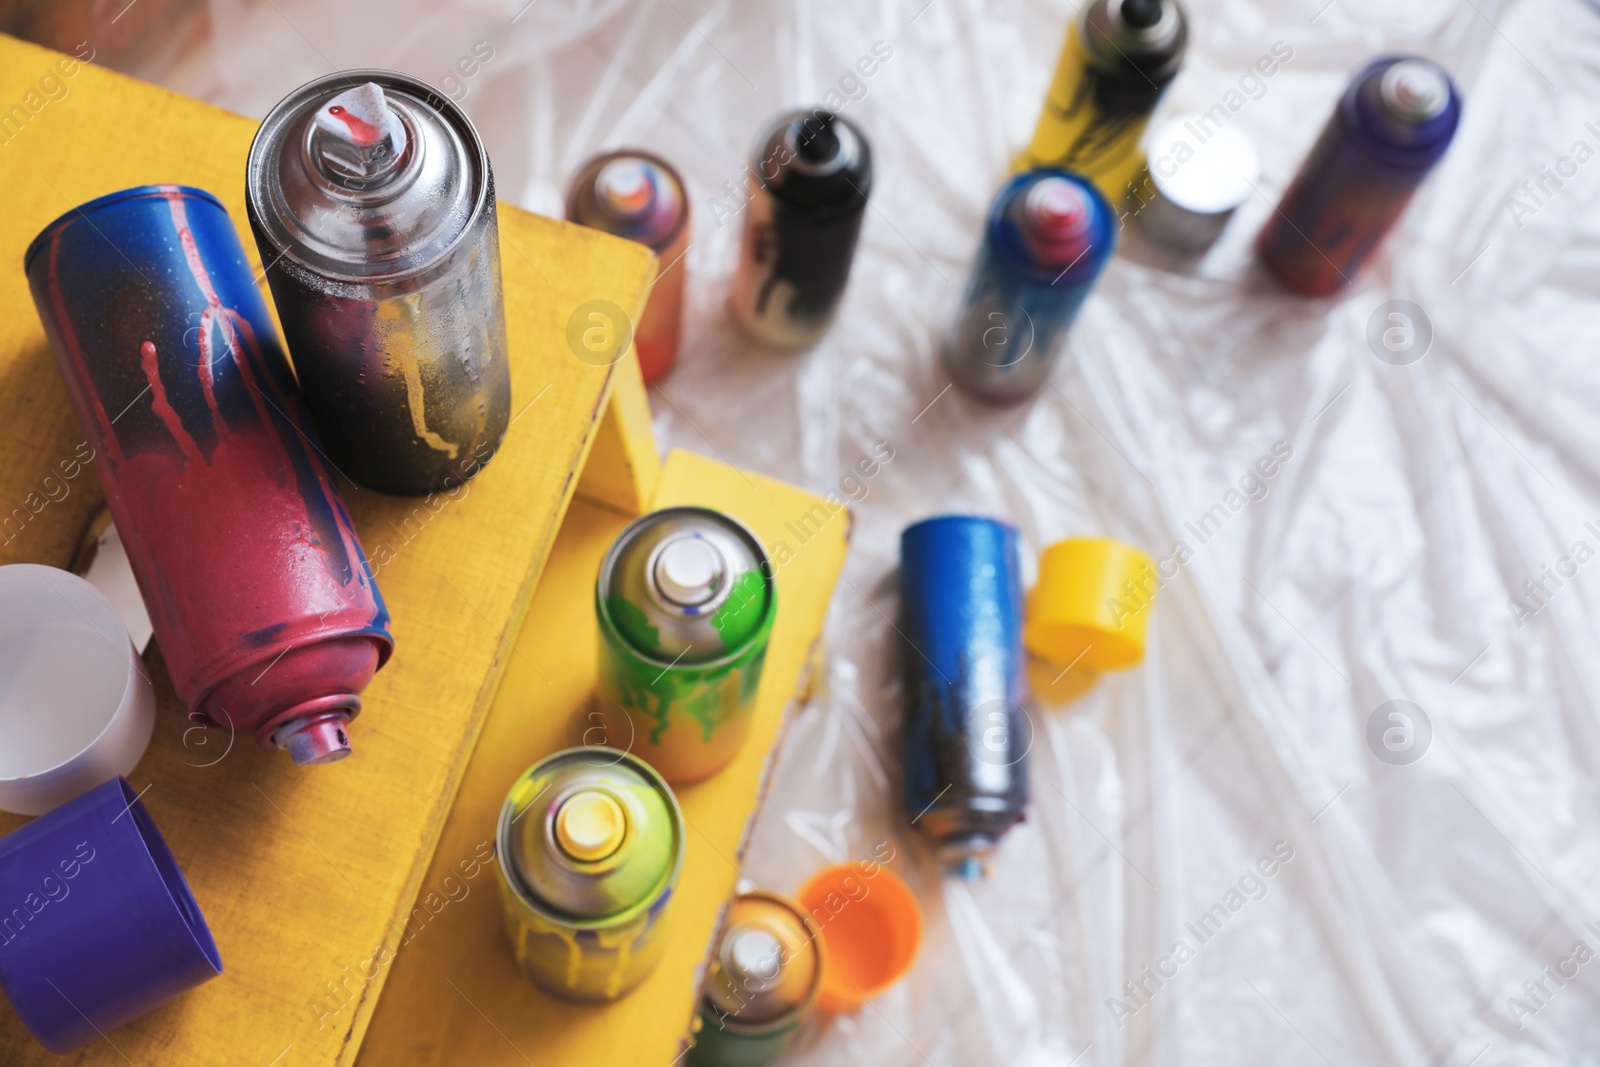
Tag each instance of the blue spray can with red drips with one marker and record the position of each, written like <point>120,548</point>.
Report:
<point>1390,127</point>
<point>260,595</point>
<point>968,729</point>
<point>1048,236</point>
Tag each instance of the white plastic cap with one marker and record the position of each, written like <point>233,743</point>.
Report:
<point>1415,90</point>
<point>76,704</point>
<point>689,571</point>
<point>754,959</point>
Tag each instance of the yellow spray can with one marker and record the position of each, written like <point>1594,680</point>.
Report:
<point>1118,60</point>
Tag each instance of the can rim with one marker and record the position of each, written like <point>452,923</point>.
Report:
<point>514,883</point>
<point>1102,229</point>
<point>1368,139</point>
<point>591,167</point>
<point>764,565</point>
<point>379,634</point>
<point>278,116</point>
<point>790,1018</point>
<point>99,203</point>
<point>960,519</point>
<point>856,204</point>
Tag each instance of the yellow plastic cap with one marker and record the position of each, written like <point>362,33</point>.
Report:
<point>1090,605</point>
<point>590,826</point>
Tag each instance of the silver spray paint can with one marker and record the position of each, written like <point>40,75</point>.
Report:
<point>373,205</point>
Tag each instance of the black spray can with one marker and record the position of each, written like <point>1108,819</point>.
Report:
<point>810,178</point>
<point>968,730</point>
<point>373,206</point>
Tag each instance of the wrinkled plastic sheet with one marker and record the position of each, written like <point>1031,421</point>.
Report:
<point>1428,535</point>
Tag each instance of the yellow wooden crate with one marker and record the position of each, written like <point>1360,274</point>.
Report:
<point>310,877</point>
<point>456,996</point>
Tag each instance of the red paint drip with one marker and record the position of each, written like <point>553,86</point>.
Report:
<point>213,309</point>
<point>361,132</point>
<point>163,407</point>
<point>233,325</point>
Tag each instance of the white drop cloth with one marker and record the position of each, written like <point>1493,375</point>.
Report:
<point>1377,566</point>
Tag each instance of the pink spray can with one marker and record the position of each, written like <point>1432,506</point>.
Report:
<point>258,590</point>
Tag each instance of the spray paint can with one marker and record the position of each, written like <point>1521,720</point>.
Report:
<point>591,844</point>
<point>639,196</point>
<point>1390,127</point>
<point>968,730</point>
<point>686,604</point>
<point>810,178</point>
<point>257,587</point>
<point>373,206</point>
<point>766,974</point>
<point>1118,60</point>
<point>1048,236</point>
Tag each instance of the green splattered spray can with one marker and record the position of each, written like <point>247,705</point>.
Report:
<point>686,603</point>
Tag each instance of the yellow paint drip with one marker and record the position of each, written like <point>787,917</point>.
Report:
<point>411,372</point>
<point>522,794</point>
<point>623,941</point>
<point>620,958</point>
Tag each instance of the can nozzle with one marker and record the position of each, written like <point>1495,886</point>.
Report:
<point>754,959</point>
<point>626,186</point>
<point>1141,14</point>
<point>818,140</point>
<point>359,136</point>
<point>320,737</point>
<point>590,826</point>
<point>689,572</point>
<point>1058,218</point>
<point>963,856</point>
<point>1414,90</point>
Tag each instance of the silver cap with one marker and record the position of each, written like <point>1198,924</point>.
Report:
<point>686,585</point>
<point>366,175</point>
<point>1115,32</point>
<point>1199,173</point>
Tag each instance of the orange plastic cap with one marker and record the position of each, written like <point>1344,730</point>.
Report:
<point>871,928</point>
<point>1091,604</point>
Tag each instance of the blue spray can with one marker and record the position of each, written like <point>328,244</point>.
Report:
<point>1048,237</point>
<point>968,729</point>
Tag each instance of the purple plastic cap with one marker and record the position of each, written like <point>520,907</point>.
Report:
<point>97,925</point>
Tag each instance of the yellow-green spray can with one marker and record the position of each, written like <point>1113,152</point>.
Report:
<point>590,844</point>
<point>686,603</point>
<point>1118,60</point>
